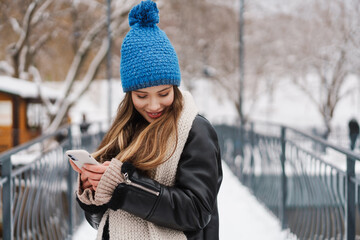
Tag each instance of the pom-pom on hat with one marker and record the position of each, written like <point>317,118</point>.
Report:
<point>147,57</point>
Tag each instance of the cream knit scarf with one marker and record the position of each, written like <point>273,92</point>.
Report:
<point>123,225</point>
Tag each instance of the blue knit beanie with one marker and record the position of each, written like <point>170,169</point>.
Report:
<point>147,56</point>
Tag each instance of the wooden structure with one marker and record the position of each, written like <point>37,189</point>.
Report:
<point>21,111</point>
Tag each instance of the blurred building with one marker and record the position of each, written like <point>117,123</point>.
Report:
<point>21,111</point>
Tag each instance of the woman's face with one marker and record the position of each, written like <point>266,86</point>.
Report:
<point>152,101</point>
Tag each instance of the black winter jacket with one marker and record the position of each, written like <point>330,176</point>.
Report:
<point>190,205</point>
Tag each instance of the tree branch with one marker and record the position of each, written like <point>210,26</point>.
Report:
<point>15,25</point>
<point>38,81</point>
<point>306,91</point>
<point>40,12</point>
<point>26,26</point>
<point>89,77</point>
<point>85,47</point>
<point>39,43</point>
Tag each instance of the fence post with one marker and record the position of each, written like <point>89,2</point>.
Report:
<point>283,191</point>
<point>252,167</point>
<point>242,139</point>
<point>252,142</point>
<point>70,187</point>
<point>350,200</point>
<point>7,215</point>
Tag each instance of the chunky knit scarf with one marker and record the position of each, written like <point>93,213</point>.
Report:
<point>123,225</point>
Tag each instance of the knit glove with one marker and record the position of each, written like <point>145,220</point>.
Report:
<point>111,178</point>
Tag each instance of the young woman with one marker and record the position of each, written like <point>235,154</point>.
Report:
<point>161,166</point>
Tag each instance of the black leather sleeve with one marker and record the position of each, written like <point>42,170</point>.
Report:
<point>189,204</point>
<point>93,213</point>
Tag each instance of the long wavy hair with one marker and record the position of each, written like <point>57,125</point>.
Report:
<point>132,138</point>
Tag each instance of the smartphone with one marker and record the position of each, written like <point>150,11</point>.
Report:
<point>80,157</point>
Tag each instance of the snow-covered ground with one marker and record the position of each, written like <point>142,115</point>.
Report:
<point>242,217</point>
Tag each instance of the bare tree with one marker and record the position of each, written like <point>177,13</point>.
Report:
<point>23,51</point>
<point>89,46</point>
<point>322,57</point>
<point>311,42</point>
<point>209,45</point>
<point>261,56</point>
<point>59,109</point>
<point>314,45</point>
<point>206,32</point>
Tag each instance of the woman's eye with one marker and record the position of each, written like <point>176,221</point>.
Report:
<point>164,95</point>
<point>141,96</point>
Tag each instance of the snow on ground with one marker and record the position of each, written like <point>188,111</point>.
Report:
<point>241,215</point>
<point>85,231</point>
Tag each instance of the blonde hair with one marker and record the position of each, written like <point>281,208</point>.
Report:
<point>132,138</point>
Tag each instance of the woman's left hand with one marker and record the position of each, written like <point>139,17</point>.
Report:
<point>94,172</point>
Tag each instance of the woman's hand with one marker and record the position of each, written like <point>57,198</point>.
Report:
<point>73,165</point>
<point>84,179</point>
<point>93,173</point>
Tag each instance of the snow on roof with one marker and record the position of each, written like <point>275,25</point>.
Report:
<point>25,89</point>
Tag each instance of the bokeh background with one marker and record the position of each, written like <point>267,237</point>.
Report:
<point>301,58</point>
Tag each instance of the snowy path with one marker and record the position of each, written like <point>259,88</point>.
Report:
<point>242,217</point>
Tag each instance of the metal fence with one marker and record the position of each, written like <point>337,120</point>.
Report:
<point>308,183</point>
<point>37,186</point>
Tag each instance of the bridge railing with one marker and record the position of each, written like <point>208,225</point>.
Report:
<point>311,185</point>
<point>37,185</point>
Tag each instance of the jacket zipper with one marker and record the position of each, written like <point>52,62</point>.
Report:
<point>129,182</point>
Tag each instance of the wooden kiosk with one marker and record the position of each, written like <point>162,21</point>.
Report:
<point>21,111</point>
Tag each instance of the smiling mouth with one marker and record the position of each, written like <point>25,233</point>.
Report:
<point>154,115</point>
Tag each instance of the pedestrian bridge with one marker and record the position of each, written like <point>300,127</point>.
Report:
<point>308,183</point>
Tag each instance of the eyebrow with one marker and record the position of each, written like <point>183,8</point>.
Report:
<point>157,91</point>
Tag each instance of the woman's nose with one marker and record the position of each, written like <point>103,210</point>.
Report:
<point>154,105</point>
